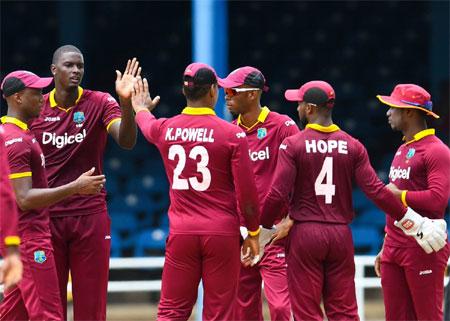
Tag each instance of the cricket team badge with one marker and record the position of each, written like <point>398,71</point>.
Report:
<point>78,118</point>
<point>262,132</point>
<point>39,257</point>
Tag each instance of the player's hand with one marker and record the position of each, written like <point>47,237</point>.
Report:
<point>89,184</point>
<point>265,238</point>
<point>125,82</point>
<point>431,235</point>
<point>394,189</point>
<point>250,251</point>
<point>140,98</point>
<point>377,264</point>
<point>282,229</point>
<point>11,270</point>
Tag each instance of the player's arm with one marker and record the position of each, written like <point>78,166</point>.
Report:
<point>373,187</point>
<point>143,104</point>
<point>11,269</point>
<point>247,197</point>
<point>282,184</point>
<point>435,197</point>
<point>430,235</point>
<point>124,129</point>
<point>28,197</point>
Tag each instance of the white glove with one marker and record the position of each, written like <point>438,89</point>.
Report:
<point>265,237</point>
<point>430,235</point>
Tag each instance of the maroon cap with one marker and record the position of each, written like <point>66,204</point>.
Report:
<point>316,92</point>
<point>19,80</point>
<point>198,74</point>
<point>409,96</point>
<point>245,76</point>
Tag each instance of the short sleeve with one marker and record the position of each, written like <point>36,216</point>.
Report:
<point>111,111</point>
<point>19,158</point>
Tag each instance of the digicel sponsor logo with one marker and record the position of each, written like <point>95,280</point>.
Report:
<point>259,155</point>
<point>63,140</point>
<point>399,173</point>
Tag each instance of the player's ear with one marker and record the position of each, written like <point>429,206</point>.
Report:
<point>53,69</point>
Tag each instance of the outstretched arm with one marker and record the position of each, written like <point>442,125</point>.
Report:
<point>32,198</point>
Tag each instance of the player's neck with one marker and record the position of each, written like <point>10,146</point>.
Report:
<point>66,97</point>
<point>323,121</point>
<point>15,114</point>
<point>249,118</point>
<point>413,129</point>
<point>202,103</point>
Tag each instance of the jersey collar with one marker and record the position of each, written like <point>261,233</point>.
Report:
<point>324,129</point>
<point>261,118</point>
<point>198,111</point>
<point>53,102</point>
<point>422,134</point>
<point>15,121</point>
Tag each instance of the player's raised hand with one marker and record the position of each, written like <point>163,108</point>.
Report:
<point>125,81</point>
<point>140,98</point>
<point>89,184</point>
<point>11,270</point>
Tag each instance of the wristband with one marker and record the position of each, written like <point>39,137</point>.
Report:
<point>12,240</point>
<point>403,197</point>
<point>254,233</point>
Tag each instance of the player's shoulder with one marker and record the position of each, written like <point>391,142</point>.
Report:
<point>97,95</point>
<point>435,148</point>
<point>281,120</point>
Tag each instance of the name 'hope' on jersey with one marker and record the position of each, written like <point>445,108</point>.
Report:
<point>73,141</point>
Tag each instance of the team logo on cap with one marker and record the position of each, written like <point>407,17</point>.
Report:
<point>39,257</point>
<point>262,132</point>
<point>79,118</point>
<point>410,153</point>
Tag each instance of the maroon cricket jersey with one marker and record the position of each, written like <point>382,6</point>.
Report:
<point>422,167</point>
<point>316,167</point>
<point>209,171</point>
<point>73,141</point>
<point>26,159</point>
<point>264,139</point>
<point>8,207</point>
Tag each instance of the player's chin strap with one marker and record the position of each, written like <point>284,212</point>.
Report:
<point>431,235</point>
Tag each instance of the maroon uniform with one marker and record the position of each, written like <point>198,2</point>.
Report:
<point>411,279</point>
<point>8,213</point>
<point>264,139</point>
<point>37,295</point>
<point>209,171</point>
<point>73,141</point>
<point>316,168</point>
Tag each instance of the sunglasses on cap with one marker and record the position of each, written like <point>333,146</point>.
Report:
<point>230,92</point>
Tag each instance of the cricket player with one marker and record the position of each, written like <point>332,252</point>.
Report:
<point>72,130</point>
<point>11,270</point>
<point>209,171</point>
<point>265,131</point>
<point>36,297</point>
<point>412,281</point>
<point>314,171</point>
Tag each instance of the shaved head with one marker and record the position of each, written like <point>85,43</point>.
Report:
<point>63,49</point>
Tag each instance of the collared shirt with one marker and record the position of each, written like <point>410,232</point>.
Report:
<point>209,171</point>
<point>73,139</point>
<point>26,159</point>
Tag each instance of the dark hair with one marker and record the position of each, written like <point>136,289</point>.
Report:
<point>63,49</point>
<point>196,92</point>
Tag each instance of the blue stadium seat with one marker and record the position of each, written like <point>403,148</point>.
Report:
<point>116,244</point>
<point>366,240</point>
<point>371,217</point>
<point>151,241</point>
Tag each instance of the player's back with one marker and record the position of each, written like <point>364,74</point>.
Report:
<point>200,153</point>
<point>326,159</point>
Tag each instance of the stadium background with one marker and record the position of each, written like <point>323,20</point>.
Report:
<point>361,48</point>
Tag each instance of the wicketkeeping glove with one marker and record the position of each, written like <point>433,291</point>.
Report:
<point>430,234</point>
